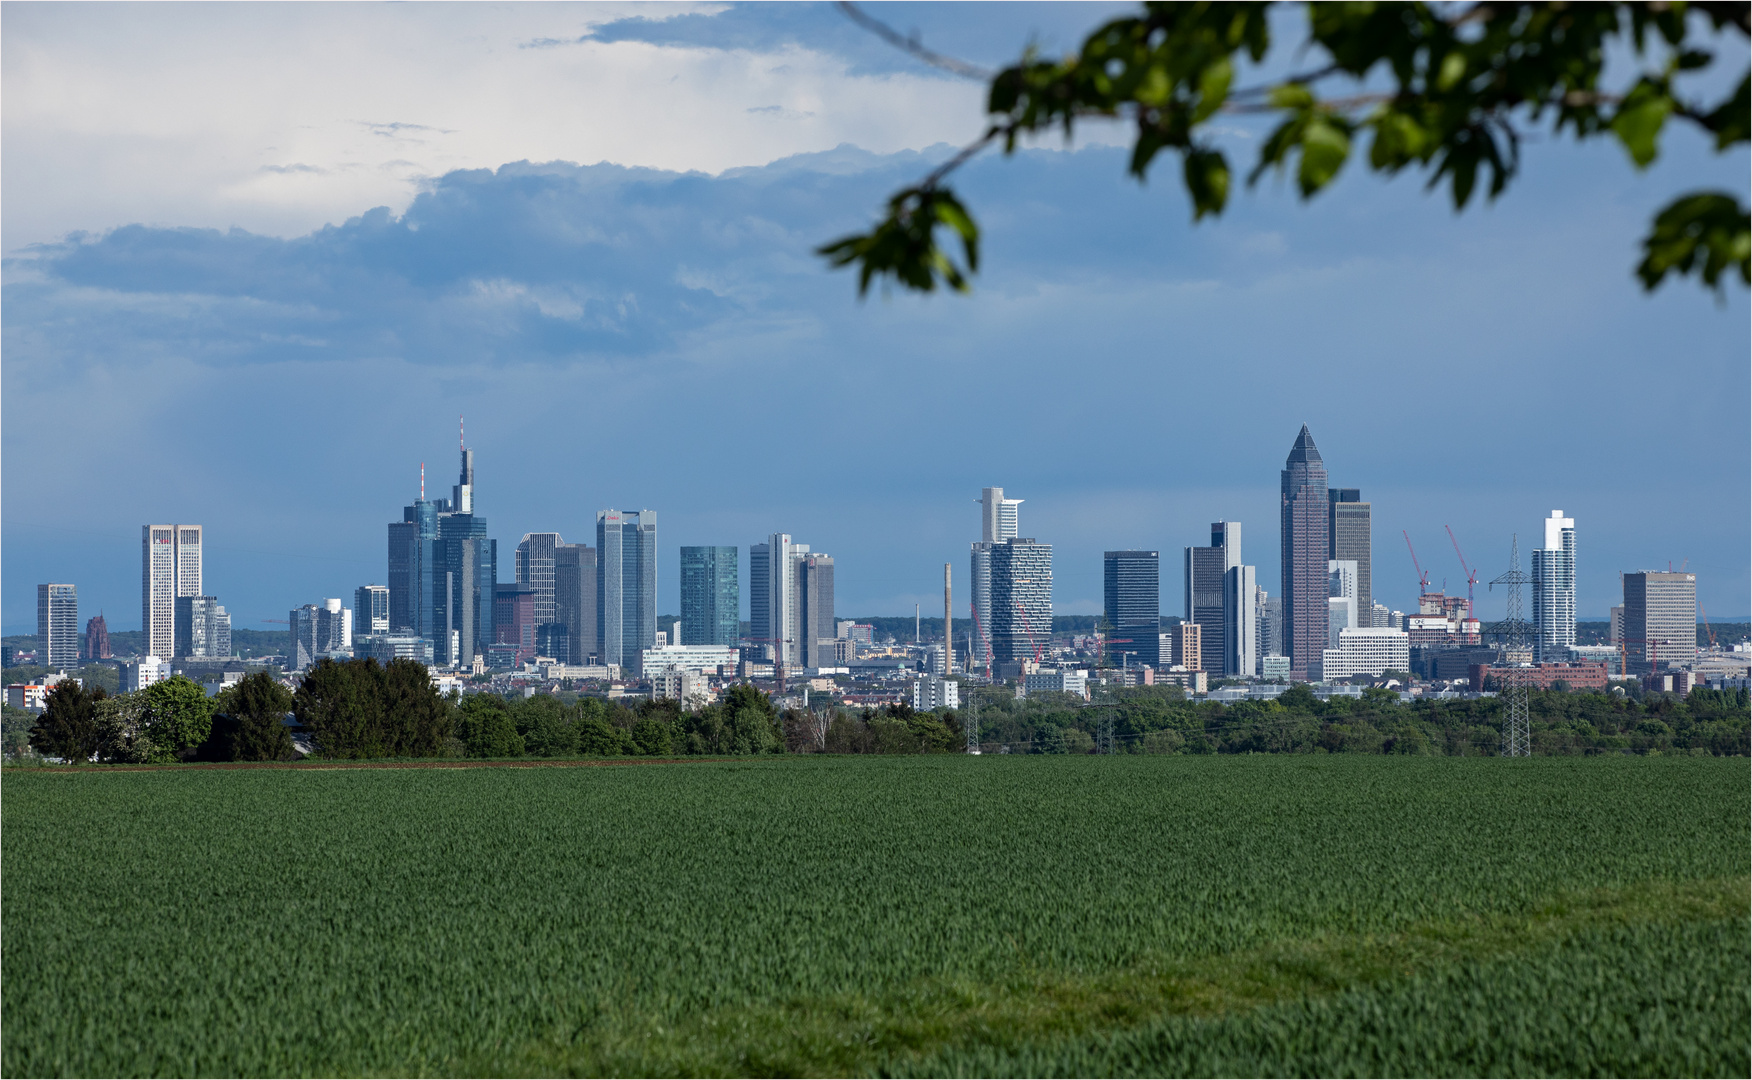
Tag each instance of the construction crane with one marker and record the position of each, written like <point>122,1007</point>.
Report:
<point>1039,657</point>
<point>1706,629</point>
<point>1471,574</point>
<point>1423,579</point>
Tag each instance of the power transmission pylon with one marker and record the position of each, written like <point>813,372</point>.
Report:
<point>971,714</point>
<point>1514,635</point>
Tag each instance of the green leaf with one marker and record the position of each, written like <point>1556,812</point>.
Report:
<point>1325,146</point>
<point>1291,96</point>
<point>1213,88</point>
<point>1639,120</point>
<point>1207,179</point>
<point>1706,233</point>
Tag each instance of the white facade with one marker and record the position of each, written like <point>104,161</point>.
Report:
<point>935,692</point>
<point>58,624</point>
<point>1554,589</point>
<point>170,566</point>
<point>139,676</point>
<point>1241,617</point>
<point>1064,679</point>
<point>1366,651</point>
<point>690,688</point>
<point>690,657</point>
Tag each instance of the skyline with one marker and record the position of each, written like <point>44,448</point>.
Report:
<point>621,335</point>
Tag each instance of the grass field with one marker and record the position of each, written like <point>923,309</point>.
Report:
<point>1282,915</point>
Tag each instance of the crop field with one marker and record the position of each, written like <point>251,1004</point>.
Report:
<point>1082,915</point>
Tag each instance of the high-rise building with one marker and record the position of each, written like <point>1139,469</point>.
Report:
<point>711,600</point>
<point>626,587</point>
<point>1348,538</point>
<point>1305,513</point>
<point>334,628</point>
<point>535,568</point>
<point>1241,622</point>
<point>1021,599</point>
<point>815,623</point>
<point>58,625</point>
<point>999,520</point>
<point>1554,590</point>
<point>1271,625</point>
<point>1341,577</point>
<point>1132,604</point>
<point>442,569</point>
<point>371,610</point>
<point>1185,647</point>
<point>514,619</point>
<point>97,642</point>
<point>575,600</point>
<point>170,566</point>
<point>1207,600</point>
<point>773,605</point>
<point>303,646</point>
<point>1660,621</point>
<point>203,629</point>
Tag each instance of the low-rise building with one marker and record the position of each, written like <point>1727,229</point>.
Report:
<point>1576,676</point>
<point>935,692</point>
<point>143,673</point>
<point>691,657</point>
<point>1274,667</point>
<point>1065,680</point>
<point>1366,650</point>
<point>1196,682</point>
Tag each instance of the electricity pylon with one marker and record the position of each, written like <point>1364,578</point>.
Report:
<point>1514,634</point>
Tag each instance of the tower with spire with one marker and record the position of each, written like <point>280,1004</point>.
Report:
<point>1304,550</point>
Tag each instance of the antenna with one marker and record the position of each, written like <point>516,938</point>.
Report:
<point>422,481</point>
<point>460,445</point>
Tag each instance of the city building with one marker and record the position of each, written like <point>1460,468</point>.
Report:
<point>1196,682</point>
<point>464,619</point>
<point>305,641</point>
<point>370,610</point>
<point>1241,621</point>
<point>626,587</point>
<point>97,642</point>
<point>1660,621</point>
<point>1379,615</point>
<point>782,626</point>
<point>1615,624</point>
<point>692,689</point>
<point>203,629</point>
<point>815,620</point>
<point>386,647</point>
<point>1207,584</point>
<point>575,601</point>
<point>416,572</point>
<point>711,597</point>
<point>1554,590</point>
<point>535,568</point>
<point>553,642</point>
<point>1021,599</point>
<point>931,692</point>
<point>1271,625</point>
<point>1574,676</point>
<point>1349,540</point>
<point>1305,517</point>
<point>57,625</point>
<point>1184,645</point>
<point>514,607</point>
<point>1343,613</point>
<point>1132,605</point>
<point>1365,651</point>
<point>999,520</point>
<point>1063,680</point>
<point>143,673</point>
<point>1274,667</point>
<point>690,657</point>
<point>170,566</point>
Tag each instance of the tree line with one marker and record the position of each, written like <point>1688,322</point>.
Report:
<point>360,710</point>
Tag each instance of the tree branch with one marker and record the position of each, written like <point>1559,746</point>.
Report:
<point>912,46</point>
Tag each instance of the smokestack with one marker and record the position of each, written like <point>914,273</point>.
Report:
<point>948,624</point>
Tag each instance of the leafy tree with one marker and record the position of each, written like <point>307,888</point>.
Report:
<point>249,723</point>
<point>67,728</point>
<point>1450,90</point>
<point>121,732</point>
<point>652,736</point>
<point>486,729</point>
<point>597,737</point>
<point>176,715</point>
<point>416,718</point>
<point>342,705</point>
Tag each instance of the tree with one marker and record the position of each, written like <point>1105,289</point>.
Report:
<point>1461,86</point>
<point>249,723</point>
<point>485,727</point>
<point>67,728</point>
<point>416,717</point>
<point>342,705</point>
<point>176,716</point>
<point>652,736</point>
<point>121,732</point>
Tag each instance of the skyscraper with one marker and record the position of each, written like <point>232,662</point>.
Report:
<point>1241,622</point>
<point>1660,620</point>
<point>626,587</point>
<point>371,610</point>
<point>303,645</point>
<point>1305,510</point>
<point>815,625</point>
<point>1271,625</point>
<point>999,520</point>
<point>97,642</point>
<point>1132,604</point>
<point>575,599</point>
<point>1554,590</point>
<point>711,600</point>
<point>1207,603</point>
<point>1021,599</point>
<point>535,568</point>
<point>1348,537</point>
<point>416,573</point>
<point>58,625</point>
<point>170,566</point>
<point>773,604</point>
<point>471,559</point>
<point>203,629</point>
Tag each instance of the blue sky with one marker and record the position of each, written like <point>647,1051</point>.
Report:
<point>251,322</point>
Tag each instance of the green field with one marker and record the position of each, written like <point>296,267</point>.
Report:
<point>1272,915</point>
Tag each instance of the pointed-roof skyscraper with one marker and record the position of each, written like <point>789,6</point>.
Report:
<point>1304,551</point>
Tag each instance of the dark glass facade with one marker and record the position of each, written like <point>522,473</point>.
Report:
<point>1348,528</point>
<point>626,587</point>
<point>1021,599</point>
<point>1132,595</point>
<point>1304,511</point>
<point>710,595</point>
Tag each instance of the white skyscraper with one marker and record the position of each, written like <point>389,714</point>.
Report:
<point>774,606</point>
<point>170,566</point>
<point>998,523</point>
<point>1554,589</point>
<point>58,625</point>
